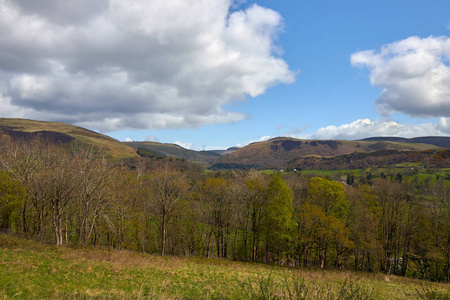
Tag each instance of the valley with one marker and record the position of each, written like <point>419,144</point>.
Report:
<point>280,218</point>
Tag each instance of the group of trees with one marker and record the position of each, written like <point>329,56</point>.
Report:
<point>74,195</point>
<point>357,160</point>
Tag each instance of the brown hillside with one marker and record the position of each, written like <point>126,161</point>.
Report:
<point>64,133</point>
<point>277,152</point>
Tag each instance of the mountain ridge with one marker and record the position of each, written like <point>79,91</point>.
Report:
<point>440,141</point>
<point>276,153</point>
<point>281,152</point>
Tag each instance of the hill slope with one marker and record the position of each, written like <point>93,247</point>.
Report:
<point>440,141</point>
<point>64,133</point>
<point>279,152</point>
<point>32,270</point>
<point>175,151</point>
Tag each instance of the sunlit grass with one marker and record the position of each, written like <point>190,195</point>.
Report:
<point>30,270</point>
<point>113,147</point>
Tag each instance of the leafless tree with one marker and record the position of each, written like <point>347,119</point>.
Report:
<point>166,191</point>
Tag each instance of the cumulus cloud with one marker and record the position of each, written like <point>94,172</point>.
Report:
<point>146,64</point>
<point>8,109</point>
<point>259,139</point>
<point>414,74</point>
<point>364,128</point>
<point>186,145</point>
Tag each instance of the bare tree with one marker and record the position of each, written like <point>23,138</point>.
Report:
<point>392,199</point>
<point>21,160</point>
<point>166,190</point>
<point>93,178</point>
<point>46,172</point>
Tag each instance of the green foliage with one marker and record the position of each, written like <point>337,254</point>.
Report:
<point>147,153</point>
<point>74,196</point>
<point>329,196</point>
<point>12,197</point>
<point>280,223</point>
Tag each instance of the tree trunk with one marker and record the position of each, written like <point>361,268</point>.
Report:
<point>163,235</point>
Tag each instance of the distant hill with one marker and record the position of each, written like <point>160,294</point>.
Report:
<point>277,153</point>
<point>280,153</point>
<point>440,141</point>
<point>176,151</point>
<point>64,133</point>
<point>223,152</point>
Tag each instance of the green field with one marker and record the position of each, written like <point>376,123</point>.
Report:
<point>30,270</point>
<point>404,169</point>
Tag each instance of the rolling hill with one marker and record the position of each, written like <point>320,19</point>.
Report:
<point>33,270</point>
<point>277,153</point>
<point>440,141</point>
<point>64,133</point>
<point>285,152</point>
<point>173,150</point>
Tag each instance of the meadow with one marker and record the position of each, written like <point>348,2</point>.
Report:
<point>31,270</point>
<point>421,174</point>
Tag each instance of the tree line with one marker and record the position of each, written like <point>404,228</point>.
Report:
<point>76,195</point>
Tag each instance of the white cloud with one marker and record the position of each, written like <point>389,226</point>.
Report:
<point>146,64</point>
<point>151,139</point>
<point>190,146</point>
<point>444,125</point>
<point>414,74</point>
<point>364,128</point>
<point>259,139</point>
<point>9,110</point>
<point>127,140</point>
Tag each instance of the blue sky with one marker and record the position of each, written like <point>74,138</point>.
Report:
<point>318,40</point>
<point>177,74</point>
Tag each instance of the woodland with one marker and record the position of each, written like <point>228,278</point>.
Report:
<point>77,195</point>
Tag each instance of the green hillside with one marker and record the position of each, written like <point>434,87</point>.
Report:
<point>175,151</point>
<point>31,270</point>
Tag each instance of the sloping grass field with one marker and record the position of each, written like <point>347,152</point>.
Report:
<point>30,270</point>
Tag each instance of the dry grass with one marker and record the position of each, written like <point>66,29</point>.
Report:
<point>113,147</point>
<point>29,269</point>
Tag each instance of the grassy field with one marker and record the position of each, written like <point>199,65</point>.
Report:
<point>30,270</point>
<point>422,175</point>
